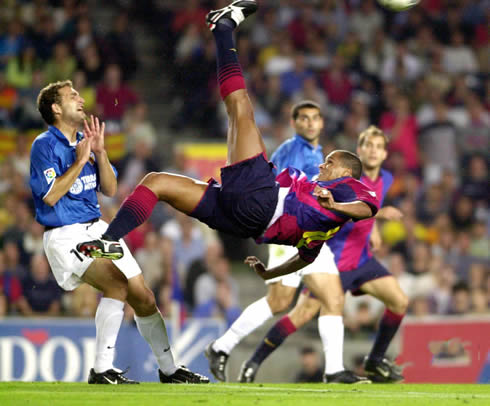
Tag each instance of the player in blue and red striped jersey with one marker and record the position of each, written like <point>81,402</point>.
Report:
<point>360,273</point>
<point>249,202</point>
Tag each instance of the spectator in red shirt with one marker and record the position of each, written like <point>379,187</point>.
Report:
<point>336,82</point>
<point>11,298</point>
<point>113,96</point>
<point>401,127</point>
<point>191,13</point>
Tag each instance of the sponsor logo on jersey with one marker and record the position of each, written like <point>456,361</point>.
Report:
<point>87,182</point>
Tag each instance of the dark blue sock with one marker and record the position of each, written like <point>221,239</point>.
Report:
<point>387,329</point>
<point>230,76</point>
<point>273,339</point>
<point>134,211</point>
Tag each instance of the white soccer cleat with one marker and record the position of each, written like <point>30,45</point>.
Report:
<point>237,11</point>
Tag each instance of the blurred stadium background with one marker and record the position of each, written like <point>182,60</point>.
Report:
<point>147,68</point>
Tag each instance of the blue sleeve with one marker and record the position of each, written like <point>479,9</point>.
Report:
<point>354,190</point>
<point>281,158</point>
<point>44,168</point>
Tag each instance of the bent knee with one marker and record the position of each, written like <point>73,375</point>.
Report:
<point>401,304</point>
<point>152,179</point>
<point>333,303</point>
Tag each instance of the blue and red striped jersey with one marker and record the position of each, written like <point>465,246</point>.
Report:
<point>350,245</point>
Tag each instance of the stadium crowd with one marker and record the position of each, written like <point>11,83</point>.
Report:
<point>422,76</point>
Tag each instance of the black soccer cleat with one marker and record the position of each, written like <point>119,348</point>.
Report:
<point>217,362</point>
<point>109,377</point>
<point>384,371</point>
<point>248,371</point>
<point>237,12</point>
<point>183,375</point>
<point>345,376</point>
<point>101,249</point>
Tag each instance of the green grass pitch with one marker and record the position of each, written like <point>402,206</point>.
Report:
<point>153,394</point>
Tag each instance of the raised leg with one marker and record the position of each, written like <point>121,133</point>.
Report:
<point>244,139</point>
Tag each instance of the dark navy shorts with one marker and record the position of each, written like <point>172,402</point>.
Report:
<point>370,270</point>
<point>353,280</point>
<point>246,200</point>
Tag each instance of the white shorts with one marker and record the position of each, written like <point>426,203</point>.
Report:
<point>68,265</point>
<point>278,254</point>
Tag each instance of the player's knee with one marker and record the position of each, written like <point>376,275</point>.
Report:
<point>151,179</point>
<point>401,305</point>
<point>334,303</point>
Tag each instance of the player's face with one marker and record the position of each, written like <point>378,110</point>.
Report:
<point>308,124</point>
<point>71,106</point>
<point>332,168</point>
<point>372,152</point>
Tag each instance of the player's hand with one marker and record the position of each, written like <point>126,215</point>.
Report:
<point>83,149</point>
<point>390,213</point>
<point>257,266</point>
<point>324,197</point>
<point>93,130</point>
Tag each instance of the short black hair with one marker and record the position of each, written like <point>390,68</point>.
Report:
<point>350,161</point>
<point>304,104</point>
<point>49,95</point>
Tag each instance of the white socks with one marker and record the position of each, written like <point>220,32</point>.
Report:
<point>108,320</point>
<point>153,330</point>
<point>331,329</point>
<point>251,318</point>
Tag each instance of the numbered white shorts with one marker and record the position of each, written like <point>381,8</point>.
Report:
<point>68,265</point>
<point>278,254</point>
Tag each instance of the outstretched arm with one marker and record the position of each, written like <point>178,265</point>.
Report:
<point>357,210</point>
<point>291,265</point>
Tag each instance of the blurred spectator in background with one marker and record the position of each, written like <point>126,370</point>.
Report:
<point>20,68</point>
<point>84,301</point>
<point>11,298</point>
<point>12,41</point>
<point>91,64</point>
<point>114,97</point>
<point>61,65</point>
<point>460,300</point>
<point>216,293</point>
<point>150,259</point>
<point>42,293</point>
<point>120,43</point>
<point>8,99</point>
<point>401,126</point>
<point>311,370</point>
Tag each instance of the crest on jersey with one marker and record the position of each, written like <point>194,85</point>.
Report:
<point>91,158</point>
<point>49,174</point>
<point>77,187</point>
<point>373,194</point>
